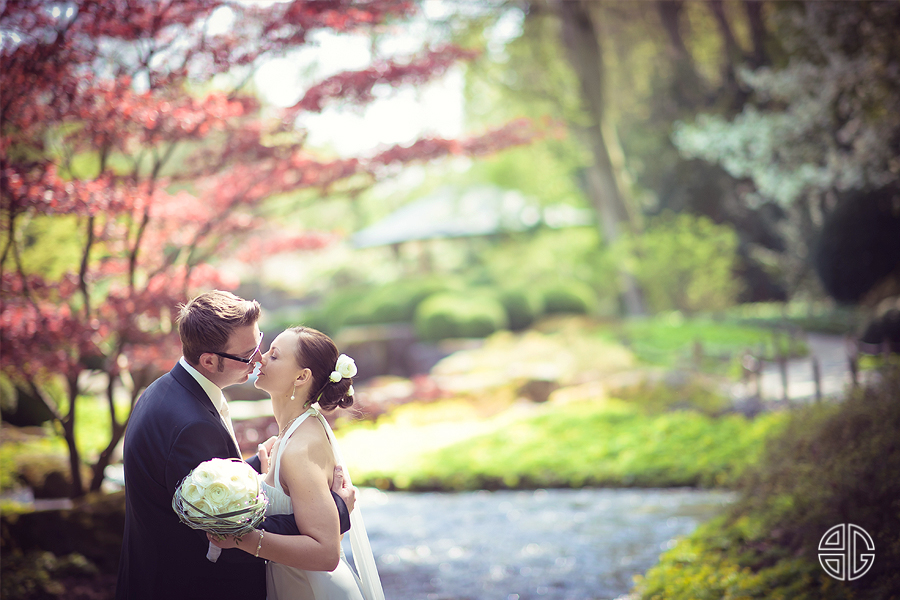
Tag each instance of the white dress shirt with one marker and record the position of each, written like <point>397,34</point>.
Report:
<point>215,395</point>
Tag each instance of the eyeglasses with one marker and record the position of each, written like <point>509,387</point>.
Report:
<point>247,360</point>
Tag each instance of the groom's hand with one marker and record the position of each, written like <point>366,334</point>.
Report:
<point>346,491</point>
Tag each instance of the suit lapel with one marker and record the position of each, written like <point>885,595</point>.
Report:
<point>191,385</point>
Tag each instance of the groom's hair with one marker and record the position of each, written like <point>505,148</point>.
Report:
<point>206,322</point>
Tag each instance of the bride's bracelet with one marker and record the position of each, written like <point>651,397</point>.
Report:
<point>259,543</point>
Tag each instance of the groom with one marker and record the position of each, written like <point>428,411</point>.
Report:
<point>180,421</point>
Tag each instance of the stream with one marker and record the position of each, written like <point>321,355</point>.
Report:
<point>518,545</point>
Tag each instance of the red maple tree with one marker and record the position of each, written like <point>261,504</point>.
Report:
<point>105,122</point>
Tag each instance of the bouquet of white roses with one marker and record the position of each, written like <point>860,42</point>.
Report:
<point>221,496</point>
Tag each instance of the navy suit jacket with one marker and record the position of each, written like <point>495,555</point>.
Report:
<point>173,428</point>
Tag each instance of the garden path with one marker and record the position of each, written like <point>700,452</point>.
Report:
<point>832,354</point>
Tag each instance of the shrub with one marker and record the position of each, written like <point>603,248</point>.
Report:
<point>831,464</point>
<point>569,297</point>
<point>394,302</point>
<point>454,315</point>
<point>330,315</point>
<point>522,307</point>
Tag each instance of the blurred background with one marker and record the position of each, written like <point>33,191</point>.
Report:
<point>622,279</point>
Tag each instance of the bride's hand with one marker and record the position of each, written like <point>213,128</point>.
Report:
<point>263,451</point>
<point>229,541</point>
<point>225,541</point>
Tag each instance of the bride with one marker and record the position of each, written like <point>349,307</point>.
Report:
<point>302,369</point>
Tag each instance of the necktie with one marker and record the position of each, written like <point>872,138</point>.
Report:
<point>226,417</point>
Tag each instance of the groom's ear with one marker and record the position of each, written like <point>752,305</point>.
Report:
<point>208,361</point>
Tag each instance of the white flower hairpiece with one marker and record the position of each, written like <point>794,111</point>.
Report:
<point>345,367</point>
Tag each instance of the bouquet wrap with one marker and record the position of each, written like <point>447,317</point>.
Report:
<point>221,496</point>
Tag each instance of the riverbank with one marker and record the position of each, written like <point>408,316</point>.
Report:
<point>834,464</point>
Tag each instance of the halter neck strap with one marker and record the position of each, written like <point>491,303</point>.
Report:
<point>283,443</point>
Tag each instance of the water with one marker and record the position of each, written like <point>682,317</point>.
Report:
<point>518,545</point>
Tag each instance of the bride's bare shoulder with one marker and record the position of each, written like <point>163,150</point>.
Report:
<point>309,440</point>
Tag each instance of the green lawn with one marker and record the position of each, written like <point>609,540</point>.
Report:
<point>715,346</point>
<point>587,443</point>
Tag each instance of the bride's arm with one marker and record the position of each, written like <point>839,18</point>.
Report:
<point>305,470</point>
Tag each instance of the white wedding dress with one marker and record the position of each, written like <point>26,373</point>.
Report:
<point>289,583</point>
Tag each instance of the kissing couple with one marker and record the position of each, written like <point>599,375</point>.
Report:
<point>182,419</point>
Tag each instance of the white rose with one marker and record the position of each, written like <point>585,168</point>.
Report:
<point>203,475</point>
<point>345,367</point>
<point>217,494</point>
<point>191,492</point>
<point>200,505</point>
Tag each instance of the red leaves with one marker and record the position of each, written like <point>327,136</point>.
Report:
<point>46,193</point>
<point>258,248</point>
<point>42,338</point>
<point>343,15</point>
<point>520,131</point>
<point>356,86</point>
<point>102,119</point>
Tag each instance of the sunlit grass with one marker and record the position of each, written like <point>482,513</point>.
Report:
<point>593,443</point>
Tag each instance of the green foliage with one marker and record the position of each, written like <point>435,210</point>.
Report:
<point>51,245</point>
<point>575,253</point>
<point>799,139</point>
<point>683,262</point>
<point>673,341</point>
<point>831,464</point>
<point>568,297</point>
<point>395,302</point>
<point>522,307</point>
<point>597,443</point>
<point>36,575</point>
<point>33,458</point>
<point>457,315</point>
<point>691,394</point>
<point>330,315</point>
<point>705,567</point>
<point>92,423</point>
<point>809,316</point>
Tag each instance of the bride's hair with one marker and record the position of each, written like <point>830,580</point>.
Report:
<point>317,352</point>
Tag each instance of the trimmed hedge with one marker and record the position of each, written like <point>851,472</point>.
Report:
<point>455,315</point>
<point>569,297</point>
<point>522,307</point>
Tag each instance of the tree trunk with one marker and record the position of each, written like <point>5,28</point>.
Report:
<point>687,85</point>
<point>733,54</point>
<point>585,54</point>
<point>754,8</point>
<point>117,431</point>
<point>68,425</point>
